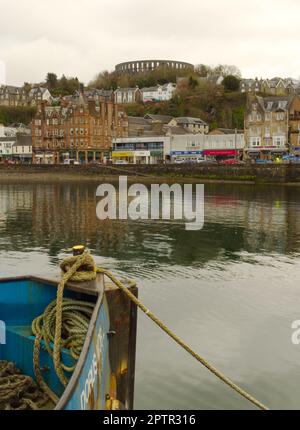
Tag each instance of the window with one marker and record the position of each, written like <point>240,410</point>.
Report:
<point>268,116</point>
<point>282,104</point>
<point>255,141</point>
<point>280,116</point>
<point>278,141</point>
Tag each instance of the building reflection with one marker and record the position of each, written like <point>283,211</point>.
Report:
<point>53,217</point>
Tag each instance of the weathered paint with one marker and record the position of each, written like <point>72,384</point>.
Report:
<point>93,384</point>
<point>105,371</point>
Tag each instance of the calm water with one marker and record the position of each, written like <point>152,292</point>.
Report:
<point>231,290</point>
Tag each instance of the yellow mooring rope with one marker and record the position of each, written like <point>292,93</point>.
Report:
<point>88,272</point>
<point>65,322</point>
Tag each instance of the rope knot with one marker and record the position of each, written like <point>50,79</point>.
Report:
<point>82,266</point>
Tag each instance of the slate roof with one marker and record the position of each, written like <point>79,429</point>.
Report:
<point>23,140</point>
<point>165,119</point>
<point>273,104</point>
<point>189,120</point>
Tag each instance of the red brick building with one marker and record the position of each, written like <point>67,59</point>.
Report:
<point>82,130</point>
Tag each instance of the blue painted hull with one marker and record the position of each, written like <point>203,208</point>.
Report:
<point>93,384</point>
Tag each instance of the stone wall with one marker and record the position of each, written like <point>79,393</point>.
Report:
<point>253,173</point>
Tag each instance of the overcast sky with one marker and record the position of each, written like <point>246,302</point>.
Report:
<point>82,37</point>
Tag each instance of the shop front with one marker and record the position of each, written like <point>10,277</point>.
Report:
<point>141,157</point>
<point>221,154</point>
<point>266,153</point>
<point>43,158</point>
<point>157,157</point>
<point>123,157</point>
<point>186,156</point>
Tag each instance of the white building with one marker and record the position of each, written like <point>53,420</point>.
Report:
<point>127,95</point>
<point>15,147</point>
<point>139,150</point>
<point>159,93</point>
<point>39,94</point>
<point>190,147</point>
<point>22,149</point>
<point>6,145</point>
<point>15,129</point>
<point>192,125</point>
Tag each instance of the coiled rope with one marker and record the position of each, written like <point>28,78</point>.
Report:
<point>65,322</point>
<point>17,391</point>
<point>88,271</point>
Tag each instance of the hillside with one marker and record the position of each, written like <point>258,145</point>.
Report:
<point>10,115</point>
<point>224,110</point>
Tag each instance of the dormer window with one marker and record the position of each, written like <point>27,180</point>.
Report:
<point>282,104</point>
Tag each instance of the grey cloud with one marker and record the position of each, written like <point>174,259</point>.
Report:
<point>83,37</point>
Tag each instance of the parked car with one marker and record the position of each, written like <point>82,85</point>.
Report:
<point>71,161</point>
<point>290,159</point>
<point>230,161</point>
<point>259,161</point>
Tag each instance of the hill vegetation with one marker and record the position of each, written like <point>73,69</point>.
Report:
<point>112,80</point>
<point>214,104</point>
<point>197,94</point>
<point>10,115</point>
<point>63,86</point>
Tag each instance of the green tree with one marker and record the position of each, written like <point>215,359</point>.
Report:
<point>193,83</point>
<point>10,115</point>
<point>51,81</point>
<point>231,83</point>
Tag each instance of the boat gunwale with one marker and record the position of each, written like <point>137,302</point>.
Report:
<point>69,390</point>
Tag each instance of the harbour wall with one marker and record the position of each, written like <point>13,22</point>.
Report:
<point>273,173</point>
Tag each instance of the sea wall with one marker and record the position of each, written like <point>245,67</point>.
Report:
<point>273,173</point>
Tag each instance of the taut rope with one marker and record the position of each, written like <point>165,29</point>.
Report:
<point>82,268</point>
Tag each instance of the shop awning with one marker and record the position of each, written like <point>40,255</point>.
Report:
<point>216,152</point>
<point>122,154</point>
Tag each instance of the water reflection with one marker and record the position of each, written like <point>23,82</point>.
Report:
<point>237,218</point>
<point>230,290</point>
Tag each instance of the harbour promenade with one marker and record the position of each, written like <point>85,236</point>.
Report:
<point>272,173</point>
